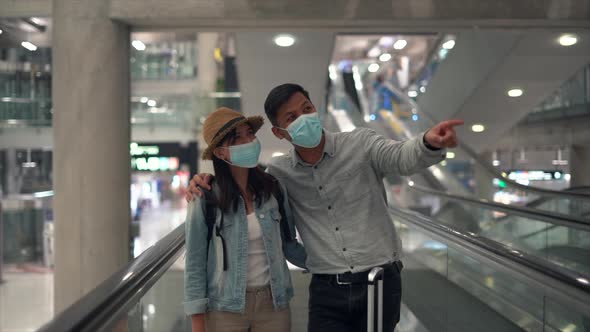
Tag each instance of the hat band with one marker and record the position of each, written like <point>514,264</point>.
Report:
<point>228,125</point>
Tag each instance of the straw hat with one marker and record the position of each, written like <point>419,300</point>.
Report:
<point>220,123</point>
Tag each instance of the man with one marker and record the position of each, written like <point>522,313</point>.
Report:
<point>337,197</point>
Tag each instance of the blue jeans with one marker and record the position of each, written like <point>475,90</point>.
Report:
<point>341,308</point>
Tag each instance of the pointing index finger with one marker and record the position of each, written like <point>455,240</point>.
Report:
<point>451,123</point>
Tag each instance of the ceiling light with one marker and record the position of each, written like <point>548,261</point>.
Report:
<point>515,93</point>
<point>138,44</point>
<point>449,44</point>
<point>568,40</point>
<point>422,89</point>
<point>284,40</point>
<point>385,57</point>
<point>1,31</point>
<point>496,162</point>
<point>367,118</point>
<point>151,103</point>
<point>400,44</point>
<point>374,52</point>
<point>478,128</point>
<point>373,67</point>
<point>413,93</point>
<point>144,99</point>
<point>450,155</point>
<point>277,154</point>
<point>29,46</point>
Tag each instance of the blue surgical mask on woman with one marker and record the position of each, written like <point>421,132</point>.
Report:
<point>305,131</point>
<point>244,155</point>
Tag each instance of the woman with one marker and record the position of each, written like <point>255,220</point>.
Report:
<point>239,280</point>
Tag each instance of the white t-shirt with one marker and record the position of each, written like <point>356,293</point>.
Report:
<point>258,268</point>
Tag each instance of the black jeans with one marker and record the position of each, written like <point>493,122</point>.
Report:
<point>342,308</point>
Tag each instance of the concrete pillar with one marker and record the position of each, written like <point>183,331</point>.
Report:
<point>579,165</point>
<point>91,145</point>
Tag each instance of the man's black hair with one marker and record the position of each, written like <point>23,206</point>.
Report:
<point>278,96</point>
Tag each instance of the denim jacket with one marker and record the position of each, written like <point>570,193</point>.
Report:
<point>207,286</point>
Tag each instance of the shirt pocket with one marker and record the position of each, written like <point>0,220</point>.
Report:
<point>354,183</point>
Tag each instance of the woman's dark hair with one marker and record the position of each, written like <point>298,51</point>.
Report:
<point>278,96</point>
<point>260,183</point>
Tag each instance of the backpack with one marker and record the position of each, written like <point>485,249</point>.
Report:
<point>209,206</point>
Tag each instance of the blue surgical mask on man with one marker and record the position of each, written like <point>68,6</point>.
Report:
<point>305,131</point>
<point>244,155</point>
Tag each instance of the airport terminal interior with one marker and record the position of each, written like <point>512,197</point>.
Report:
<point>102,105</point>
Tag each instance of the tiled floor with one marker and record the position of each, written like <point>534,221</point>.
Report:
<point>26,301</point>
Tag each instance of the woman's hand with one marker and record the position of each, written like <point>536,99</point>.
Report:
<point>199,180</point>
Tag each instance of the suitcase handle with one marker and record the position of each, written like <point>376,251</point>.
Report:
<point>376,274</point>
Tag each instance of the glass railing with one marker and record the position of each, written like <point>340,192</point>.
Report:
<point>25,87</point>
<point>560,239</point>
<point>469,289</point>
<point>165,61</point>
<point>573,92</point>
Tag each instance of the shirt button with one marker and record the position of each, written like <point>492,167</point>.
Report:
<point>320,187</point>
<point>329,207</point>
<point>343,249</point>
<point>337,228</point>
<point>315,167</point>
<point>261,216</point>
<point>352,267</point>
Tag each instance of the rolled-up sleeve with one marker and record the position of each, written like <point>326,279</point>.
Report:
<point>195,273</point>
<point>405,158</point>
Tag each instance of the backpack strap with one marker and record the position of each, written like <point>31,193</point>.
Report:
<point>209,206</point>
<point>285,229</point>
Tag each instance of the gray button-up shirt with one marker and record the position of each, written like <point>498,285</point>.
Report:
<point>339,204</point>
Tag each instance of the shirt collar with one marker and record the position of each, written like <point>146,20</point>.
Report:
<point>328,149</point>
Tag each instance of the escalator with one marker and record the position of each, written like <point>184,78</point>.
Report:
<point>452,281</point>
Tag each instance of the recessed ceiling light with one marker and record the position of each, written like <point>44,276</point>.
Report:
<point>29,46</point>
<point>478,128</point>
<point>568,39</point>
<point>413,93</point>
<point>1,31</point>
<point>449,44</point>
<point>138,44</point>
<point>144,99</point>
<point>385,57</point>
<point>515,93</point>
<point>400,44</point>
<point>284,40</point>
<point>373,67</point>
<point>450,155</point>
<point>151,103</point>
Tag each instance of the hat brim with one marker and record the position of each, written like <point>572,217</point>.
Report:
<point>255,123</point>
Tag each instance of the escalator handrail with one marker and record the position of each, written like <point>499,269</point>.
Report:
<point>114,297</point>
<point>488,168</point>
<point>526,212</point>
<point>566,284</point>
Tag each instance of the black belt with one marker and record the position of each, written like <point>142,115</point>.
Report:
<point>349,278</point>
